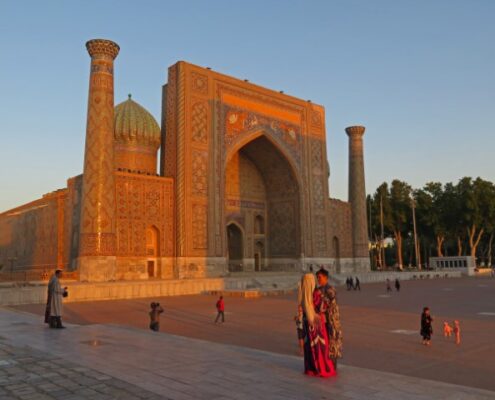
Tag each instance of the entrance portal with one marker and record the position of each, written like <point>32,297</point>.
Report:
<point>262,196</point>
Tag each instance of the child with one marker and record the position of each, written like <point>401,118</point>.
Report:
<point>447,329</point>
<point>300,329</point>
<point>426,327</point>
<point>155,312</point>
<point>457,332</point>
<point>220,309</point>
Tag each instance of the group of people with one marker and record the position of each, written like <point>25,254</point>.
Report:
<point>455,329</point>
<point>318,324</point>
<point>427,328</point>
<point>353,283</point>
<point>157,309</point>
<point>396,284</point>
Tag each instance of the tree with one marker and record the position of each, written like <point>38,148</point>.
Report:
<point>380,211</point>
<point>400,203</point>
<point>477,199</point>
<point>452,215</point>
<point>451,218</point>
<point>431,208</point>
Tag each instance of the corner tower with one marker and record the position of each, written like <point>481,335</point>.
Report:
<point>97,226</point>
<point>357,198</point>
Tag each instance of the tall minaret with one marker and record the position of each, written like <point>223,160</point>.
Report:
<point>97,226</point>
<point>357,197</point>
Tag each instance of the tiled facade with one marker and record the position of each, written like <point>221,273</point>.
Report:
<point>243,185</point>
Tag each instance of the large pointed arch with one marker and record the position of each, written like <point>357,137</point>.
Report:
<point>248,138</point>
<point>281,205</point>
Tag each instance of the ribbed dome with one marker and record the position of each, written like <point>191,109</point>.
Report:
<point>134,125</point>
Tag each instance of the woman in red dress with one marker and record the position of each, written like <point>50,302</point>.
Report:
<point>316,345</point>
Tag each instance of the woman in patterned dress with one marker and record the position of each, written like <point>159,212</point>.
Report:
<point>316,346</point>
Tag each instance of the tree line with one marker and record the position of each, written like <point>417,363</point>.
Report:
<point>452,219</point>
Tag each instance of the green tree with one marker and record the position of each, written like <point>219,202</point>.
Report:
<point>380,211</point>
<point>452,215</point>
<point>477,199</point>
<point>400,203</point>
<point>431,213</point>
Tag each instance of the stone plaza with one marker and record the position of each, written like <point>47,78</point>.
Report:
<point>108,352</point>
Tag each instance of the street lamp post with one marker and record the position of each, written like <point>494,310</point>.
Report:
<point>416,248</point>
<point>382,244</point>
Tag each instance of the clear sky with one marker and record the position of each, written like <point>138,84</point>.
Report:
<point>420,75</point>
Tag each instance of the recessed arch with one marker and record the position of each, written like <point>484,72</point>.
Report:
<point>258,134</point>
<point>152,241</point>
<point>235,246</point>
<point>262,190</point>
<point>259,224</point>
<point>152,250</point>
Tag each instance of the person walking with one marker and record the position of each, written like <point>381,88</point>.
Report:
<point>457,332</point>
<point>389,288</point>
<point>426,326</point>
<point>54,303</point>
<point>357,285</point>
<point>220,309</point>
<point>154,313</point>
<point>397,284</point>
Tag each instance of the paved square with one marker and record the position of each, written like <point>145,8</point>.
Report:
<point>379,336</point>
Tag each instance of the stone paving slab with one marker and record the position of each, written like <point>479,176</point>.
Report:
<point>108,361</point>
<point>27,373</point>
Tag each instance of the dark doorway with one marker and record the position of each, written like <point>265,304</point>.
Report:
<point>151,269</point>
<point>235,242</point>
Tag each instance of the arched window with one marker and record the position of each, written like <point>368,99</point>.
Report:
<point>152,241</point>
<point>235,243</point>
<point>259,225</point>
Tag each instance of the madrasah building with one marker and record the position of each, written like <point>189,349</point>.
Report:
<point>242,185</point>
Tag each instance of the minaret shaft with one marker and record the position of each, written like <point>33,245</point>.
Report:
<point>357,192</point>
<point>97,225</point>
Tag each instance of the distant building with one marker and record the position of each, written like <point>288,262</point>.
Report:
<point>242,185</point>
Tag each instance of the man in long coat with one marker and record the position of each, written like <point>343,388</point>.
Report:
<point>53,314</point>
<point>332,316</point>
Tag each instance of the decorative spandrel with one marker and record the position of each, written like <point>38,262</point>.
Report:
<point>240,123</point>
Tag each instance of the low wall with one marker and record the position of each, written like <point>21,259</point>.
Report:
<point>371,277</point>
<point>35,292</point>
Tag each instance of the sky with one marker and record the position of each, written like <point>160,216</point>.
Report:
<point>420,75</point>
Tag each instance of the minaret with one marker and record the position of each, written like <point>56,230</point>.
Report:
<point>357,197</point>
<point>97,226</point>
